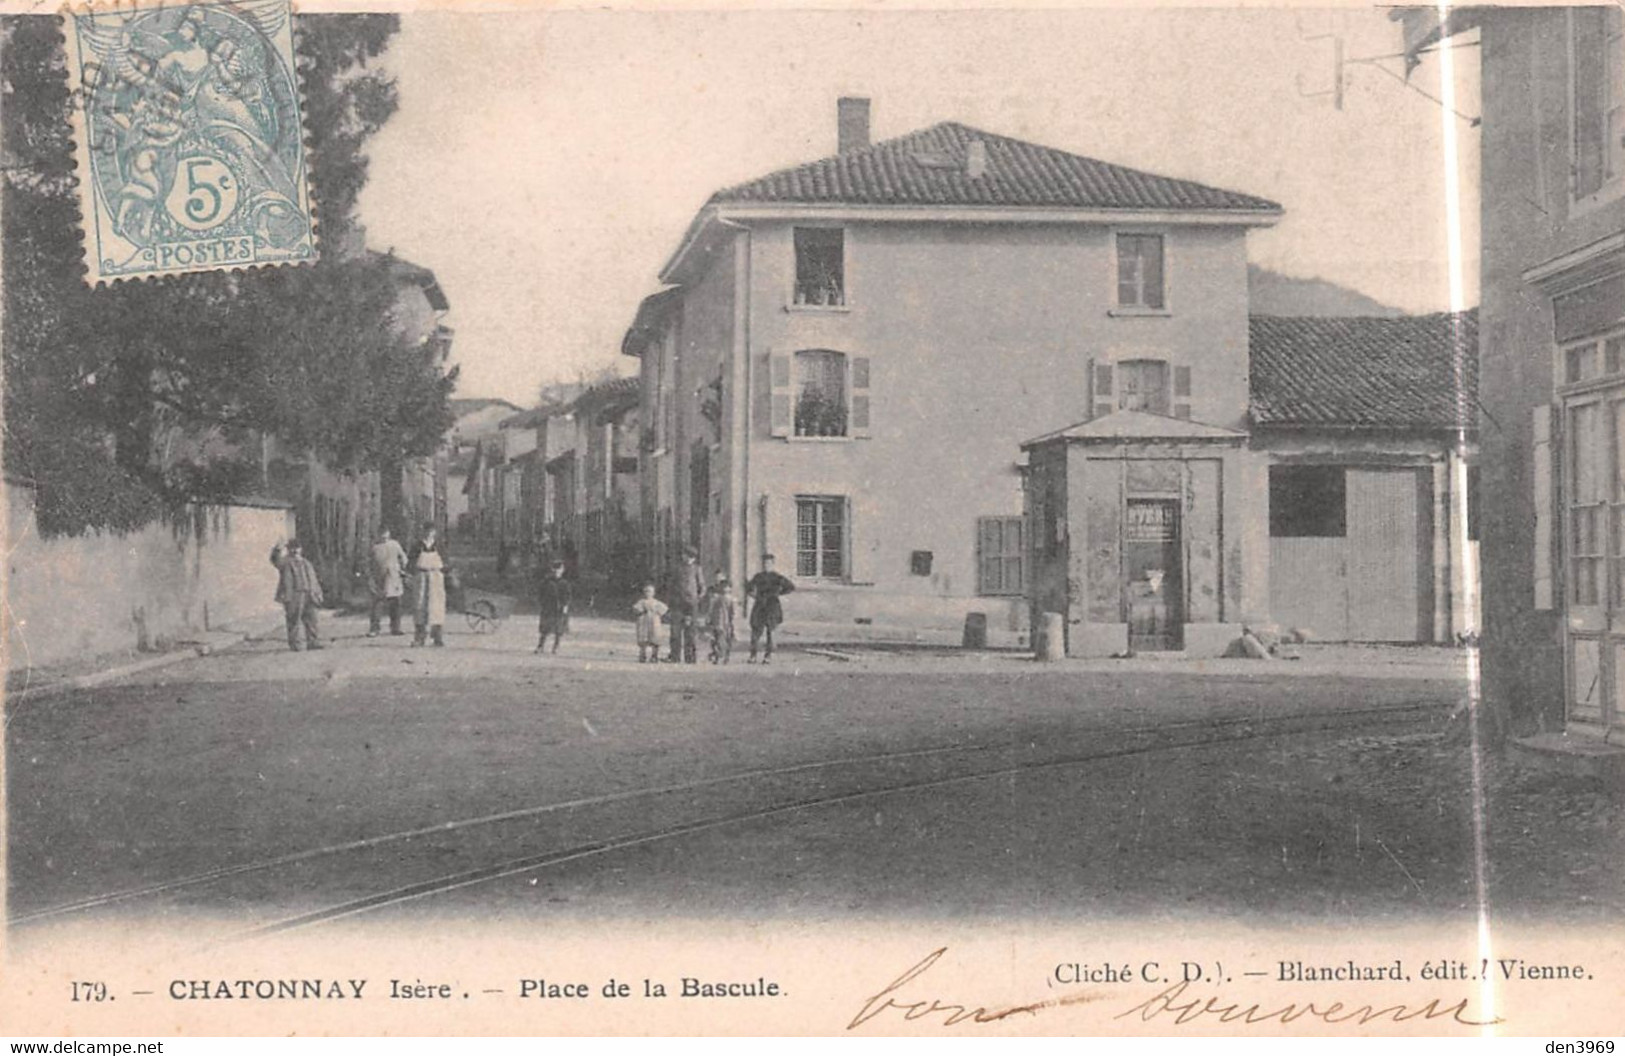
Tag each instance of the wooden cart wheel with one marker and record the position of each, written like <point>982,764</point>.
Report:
<point>482,616</point>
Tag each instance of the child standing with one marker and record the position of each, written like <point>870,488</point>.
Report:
<point>553,598</point>
<point>649,610</point>
<point>719,619</point>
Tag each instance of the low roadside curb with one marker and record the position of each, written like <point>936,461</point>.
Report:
<point>214,642</point>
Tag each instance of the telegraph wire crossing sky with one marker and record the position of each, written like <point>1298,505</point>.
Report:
<point>545,165</point>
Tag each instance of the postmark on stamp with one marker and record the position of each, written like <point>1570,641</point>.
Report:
<point>190,138</point>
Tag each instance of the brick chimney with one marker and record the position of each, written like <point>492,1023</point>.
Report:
<point>851,124</point>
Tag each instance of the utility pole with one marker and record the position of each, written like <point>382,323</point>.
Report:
<point>1338,65</point>
<point>1341,64</point>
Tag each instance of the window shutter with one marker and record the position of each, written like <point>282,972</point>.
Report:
<point>1015,555</point>
<point>860,395</point>
<point>1589,95</point>
<point>986,555</point>
<point>1151,271</point>
<point>1001,555</point>
<point>1182,392</point>
<point>863,537</point>
<point>1544,450</point>
<point>779,380</point>
<point>1104,404</point>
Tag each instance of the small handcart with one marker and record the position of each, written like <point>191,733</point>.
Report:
<point>484,610</point>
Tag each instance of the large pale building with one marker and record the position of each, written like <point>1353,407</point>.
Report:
<point>853,353</point>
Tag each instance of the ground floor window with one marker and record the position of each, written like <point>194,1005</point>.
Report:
<point>1589,499</point>
<point>1001,555</point>
<point>821,527</point>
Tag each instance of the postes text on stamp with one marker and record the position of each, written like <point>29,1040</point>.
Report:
<point>189,138</point>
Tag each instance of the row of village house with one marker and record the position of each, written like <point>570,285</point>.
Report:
<point>957,375</point>
<point>955,372</point>
<point>559,480</point>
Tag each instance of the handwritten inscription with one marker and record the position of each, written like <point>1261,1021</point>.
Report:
<point>909,999</point>
<point>1174,1003</point>
<point>891,999</point>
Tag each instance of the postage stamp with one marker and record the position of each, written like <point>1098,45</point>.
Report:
<point>189,138</point>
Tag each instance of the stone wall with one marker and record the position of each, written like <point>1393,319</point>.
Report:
<point>68,598</point>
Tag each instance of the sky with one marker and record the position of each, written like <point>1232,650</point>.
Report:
<point>545,164</point>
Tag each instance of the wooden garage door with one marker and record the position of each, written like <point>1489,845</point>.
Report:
<point>1383,580</point>
<point>1309,587</point>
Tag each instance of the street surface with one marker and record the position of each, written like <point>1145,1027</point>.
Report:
<point>257,788</point>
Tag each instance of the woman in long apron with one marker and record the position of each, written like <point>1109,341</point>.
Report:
<point>429,590</point>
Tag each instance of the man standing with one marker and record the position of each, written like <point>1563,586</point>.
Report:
<point>687,597</point>
<point>553,599</point>
<point>766,613</point>
<point>387,578</point>
<point>300,592</point>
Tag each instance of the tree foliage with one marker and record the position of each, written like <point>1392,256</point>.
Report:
<point>128,399</point>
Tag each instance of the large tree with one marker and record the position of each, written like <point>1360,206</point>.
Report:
<point>101,382</point>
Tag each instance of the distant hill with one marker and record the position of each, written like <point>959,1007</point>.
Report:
<point>1271,293</point>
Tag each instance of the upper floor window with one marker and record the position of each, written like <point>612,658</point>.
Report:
<point>1141,385</point>
<point>821,408</point>
<point>818,393</point>
<point>820,266</point>
<point>1593,360</point>
<point>1598,72</point>
<point>1139,272</point>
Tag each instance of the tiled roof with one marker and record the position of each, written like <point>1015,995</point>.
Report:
<point>928,167</point>
<point>1409,372</point>
<point>653,312</point>
<point>616,394</point>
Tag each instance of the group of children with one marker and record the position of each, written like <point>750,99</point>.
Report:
<point>714,618</point>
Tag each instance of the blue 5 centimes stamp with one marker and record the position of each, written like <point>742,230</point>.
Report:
<point>190,138</point>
